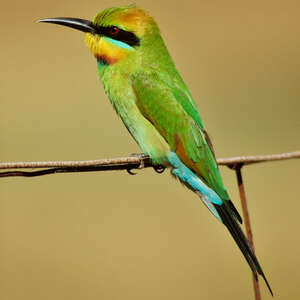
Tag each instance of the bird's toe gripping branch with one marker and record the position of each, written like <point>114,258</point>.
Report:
<point>144,162</point>
<point>159,169</point>
<point>141,165</point>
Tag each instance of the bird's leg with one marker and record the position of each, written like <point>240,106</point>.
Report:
<point>159,169</point>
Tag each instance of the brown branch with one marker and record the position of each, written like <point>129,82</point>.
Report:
<point>246,216</point>
<point>73,164</point>
<point>248,160</point>
<point>123,163</point>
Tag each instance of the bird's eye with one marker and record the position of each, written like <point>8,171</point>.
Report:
<point>114,30</point>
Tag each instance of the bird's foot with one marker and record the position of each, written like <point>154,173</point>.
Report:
<point>159,169</point>
<point>142,158</point>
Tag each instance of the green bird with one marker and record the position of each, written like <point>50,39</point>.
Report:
<point>155,105</point>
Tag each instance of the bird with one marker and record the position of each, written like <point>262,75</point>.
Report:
<point>147,92</point>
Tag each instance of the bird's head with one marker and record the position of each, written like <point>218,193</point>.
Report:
<point>115,33</point>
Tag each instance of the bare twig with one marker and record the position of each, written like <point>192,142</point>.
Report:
<point>246,216</point>
<point>123,163</point>
<point>73,164</point>
<point>247,160</point>
<point>53,167</point>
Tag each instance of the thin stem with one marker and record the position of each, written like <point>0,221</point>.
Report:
<point>247,223</point>
<point>122,163</point>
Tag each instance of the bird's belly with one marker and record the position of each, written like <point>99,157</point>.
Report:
<point>123,99</point>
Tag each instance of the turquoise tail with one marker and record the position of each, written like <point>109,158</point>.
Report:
<point>209,197</point>
<point>215,204</point>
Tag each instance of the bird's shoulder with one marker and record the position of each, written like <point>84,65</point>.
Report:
<point>166,88</point>
<point>168,105</point>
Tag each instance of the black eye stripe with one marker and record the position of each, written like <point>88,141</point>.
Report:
<point>121,35</point>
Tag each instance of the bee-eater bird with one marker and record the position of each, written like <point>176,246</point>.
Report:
<point>155,105</point>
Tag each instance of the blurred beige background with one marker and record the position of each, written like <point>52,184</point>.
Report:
<point>114,236</point>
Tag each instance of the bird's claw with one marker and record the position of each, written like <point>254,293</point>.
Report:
<point>159,169</point>
<point>129,171</point>
<point>142,158</point>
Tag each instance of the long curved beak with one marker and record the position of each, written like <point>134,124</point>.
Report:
<point>79,24</point>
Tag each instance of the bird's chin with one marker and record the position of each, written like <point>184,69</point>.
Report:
<point>104,51</point>
<point>93,41</point>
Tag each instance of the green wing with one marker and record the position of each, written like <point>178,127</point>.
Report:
<point>168,105</point>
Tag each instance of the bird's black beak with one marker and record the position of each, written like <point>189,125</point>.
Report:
<point>79,24</point>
